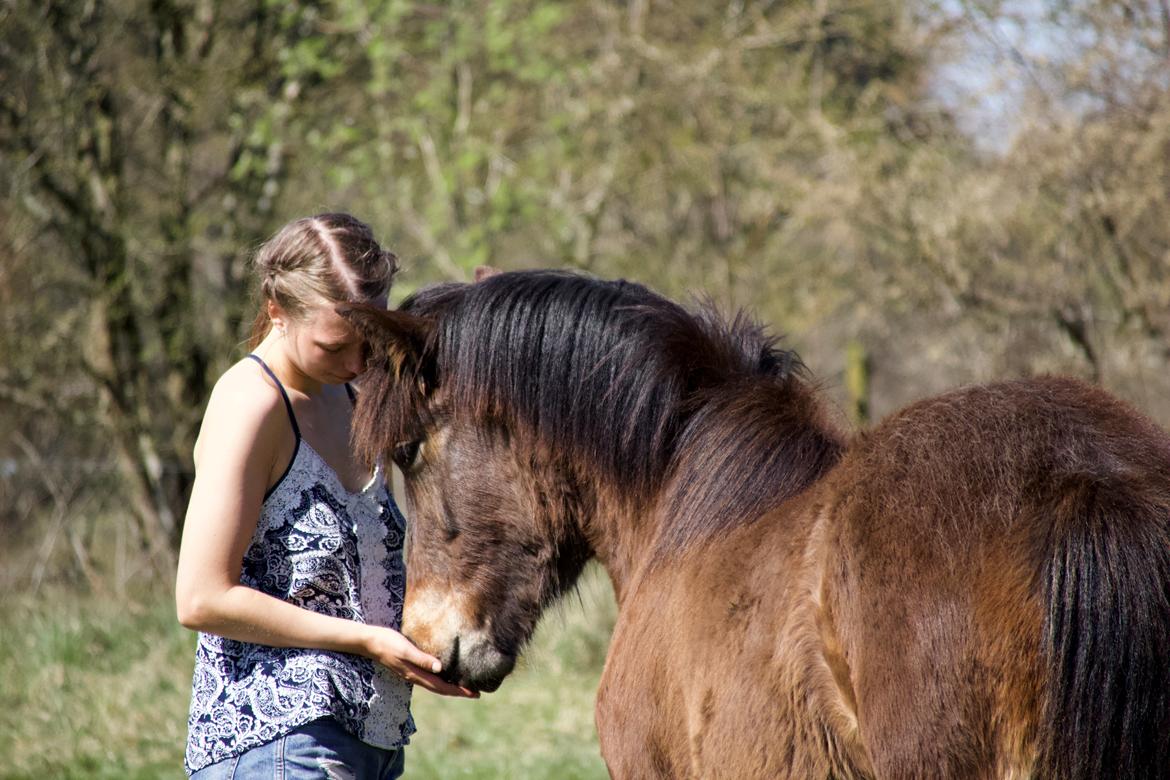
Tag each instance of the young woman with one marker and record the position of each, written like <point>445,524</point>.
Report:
<point>290,565</point>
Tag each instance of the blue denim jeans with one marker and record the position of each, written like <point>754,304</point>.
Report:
<point>321,750</point>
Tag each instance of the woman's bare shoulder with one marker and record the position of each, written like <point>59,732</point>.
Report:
<point>245,408</point>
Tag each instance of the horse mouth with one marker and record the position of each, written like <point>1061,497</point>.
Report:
<point>486,686</point>
<point>477,668</point>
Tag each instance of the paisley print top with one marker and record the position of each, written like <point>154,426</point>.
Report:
<point>322,548</point>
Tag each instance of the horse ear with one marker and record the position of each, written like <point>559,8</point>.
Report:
<point>395,336</point>
<point>485,271</point>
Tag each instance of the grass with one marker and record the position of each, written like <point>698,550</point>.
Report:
<point>91,689</point>
<point>95,689</point>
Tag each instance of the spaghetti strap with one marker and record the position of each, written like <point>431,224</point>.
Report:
<point>283,394</point>
<point>349,391</point>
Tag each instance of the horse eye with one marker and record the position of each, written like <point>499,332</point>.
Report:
<point>405,454</point>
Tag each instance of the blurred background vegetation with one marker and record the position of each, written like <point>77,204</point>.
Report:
<point>920,193</point>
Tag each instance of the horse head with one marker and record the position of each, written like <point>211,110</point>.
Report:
<point>535,417</point>
<point>493,537</point>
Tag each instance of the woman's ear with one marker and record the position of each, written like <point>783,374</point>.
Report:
<point>396,337</point>
<point>277,316</point>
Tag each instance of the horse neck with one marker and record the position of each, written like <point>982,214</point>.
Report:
<point>620,534</point>
<point>742,454</point>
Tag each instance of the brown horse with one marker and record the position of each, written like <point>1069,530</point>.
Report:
<point>976,588</point>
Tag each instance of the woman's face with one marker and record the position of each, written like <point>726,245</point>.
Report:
<point>324,347</point>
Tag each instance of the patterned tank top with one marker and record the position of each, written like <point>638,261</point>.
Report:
<point>321,547</point>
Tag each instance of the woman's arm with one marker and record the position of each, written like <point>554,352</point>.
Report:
<point>234,457</point>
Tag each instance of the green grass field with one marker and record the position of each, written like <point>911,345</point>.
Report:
<point>91,688</point>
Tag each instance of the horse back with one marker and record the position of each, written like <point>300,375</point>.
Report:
<point>995,570</point>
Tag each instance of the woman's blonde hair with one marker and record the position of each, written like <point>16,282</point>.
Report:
<point>329,258</point>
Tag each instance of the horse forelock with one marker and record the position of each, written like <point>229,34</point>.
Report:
<point>392,407</point>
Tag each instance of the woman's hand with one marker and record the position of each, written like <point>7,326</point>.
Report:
<point>394,651</point>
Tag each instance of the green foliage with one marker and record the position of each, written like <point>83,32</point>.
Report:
<point>147,147</point>
<point>678,141</point>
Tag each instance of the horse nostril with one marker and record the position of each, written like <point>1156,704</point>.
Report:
<point>450,671</point>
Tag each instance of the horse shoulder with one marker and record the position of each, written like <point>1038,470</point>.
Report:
<point>718,666</point>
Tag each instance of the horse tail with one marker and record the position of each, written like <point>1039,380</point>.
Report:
<point>1107,634</point>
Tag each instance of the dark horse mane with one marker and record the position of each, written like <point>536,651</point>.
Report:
<point>708,406</point>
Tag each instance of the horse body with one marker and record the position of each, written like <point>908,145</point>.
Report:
<point>976,588</point>
<point>887,621</point>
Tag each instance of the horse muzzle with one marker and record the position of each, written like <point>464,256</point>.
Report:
<point>438,623</point>
<point>476,664</point>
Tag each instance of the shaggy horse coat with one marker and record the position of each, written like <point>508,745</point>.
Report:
<point>976,588</point>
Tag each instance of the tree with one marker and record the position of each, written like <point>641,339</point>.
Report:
<point>143,148</point>
<point>1062,230</point>
<point>692,145</point>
